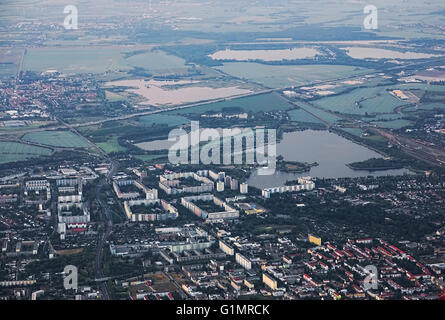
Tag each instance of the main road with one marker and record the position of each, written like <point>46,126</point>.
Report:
<point>108,219</point>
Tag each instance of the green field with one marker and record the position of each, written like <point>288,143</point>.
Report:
<point>99,60</point>
<point>274,76</point>
<point>375,100</point>
<point>300,115</point>
<point>323,115</point>
<point>169,120</point>
<point>361,101</point>
<point>65,139</point>
<point>258,103</point>
<point>150,157</point>
<point>427,106</point>
<point>111,145</point>
<point>7,70</point>
<point>13,151</point>
<point>113,97</point>
<point>158,62</point>
<point>395,124</point>
<point>75,60</point>
<point>380,117</point>
<point>353,131</point>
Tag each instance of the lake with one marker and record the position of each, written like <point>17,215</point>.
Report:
<point>329,150</point>
<point>162,93</point>
<point>332,152</point>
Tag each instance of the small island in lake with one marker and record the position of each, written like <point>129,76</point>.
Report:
<point>294,166</point>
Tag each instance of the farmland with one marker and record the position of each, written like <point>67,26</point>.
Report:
<point>159,119</point>
<point>258,103</point>
<point>64,139</point>
<point>74,60</point>
<point>353,131</point>
<point>98,60</point>
<point>158,63</point>
<point>7,69</point>
<point>394,124</point>
<point>361,101</point>
<point>111,145</point>
<point>13,151</point>
<point>299,115</point>
<point>273,76</point>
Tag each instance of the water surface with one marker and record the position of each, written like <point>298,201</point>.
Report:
<point>330,151</point>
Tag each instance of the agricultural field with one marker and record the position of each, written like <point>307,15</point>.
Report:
<point>361,101</point>
<point>299,115</point>
<point>150,157</point>
<point>258,103</point>
<point>111,145</point>
<point>353,131</point>
<point>13,151</point>
<point>92,59</point>
<point>377,100</point>
<point>75,60</point>
<point>426,106</point>
<point>325,116</point>
<point>63,139</point>
<point>167,119</point>
<point>158,63</point>
<point>394,124</point>
<point>7,70</point>
<point>328,117</point>
<point>280,76</point>
<point>9,62</point>
<point>113,97</point>
<point>382,117</point>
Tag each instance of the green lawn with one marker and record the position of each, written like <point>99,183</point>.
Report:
<point>65,139</point>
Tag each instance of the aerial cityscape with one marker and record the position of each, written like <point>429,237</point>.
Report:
<point>222,150</point>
